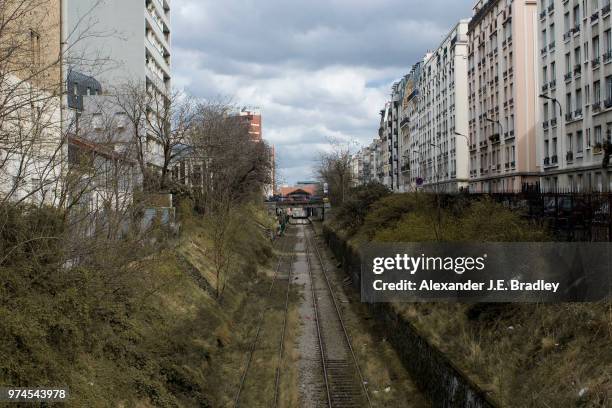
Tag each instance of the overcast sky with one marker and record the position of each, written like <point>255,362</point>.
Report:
<point>319,70</point>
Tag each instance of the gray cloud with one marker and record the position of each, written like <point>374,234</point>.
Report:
<point>318,70</point>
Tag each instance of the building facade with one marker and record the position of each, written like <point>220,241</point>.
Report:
<point>130,48</point>
<point>438,117</point>
<point>503,95</point>
<point>575,84</point>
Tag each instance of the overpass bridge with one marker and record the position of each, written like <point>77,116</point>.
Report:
<point>312,208</point>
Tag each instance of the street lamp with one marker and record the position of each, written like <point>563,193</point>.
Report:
<point>554,100</point>
<point>501,129</point>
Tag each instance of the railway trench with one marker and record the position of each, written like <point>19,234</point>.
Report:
<point>340,363</point>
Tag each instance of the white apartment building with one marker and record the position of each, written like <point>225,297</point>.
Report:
<point>133,37</point>
<point>503,95</point>
<point>436,121</point>
<point>575,80</point>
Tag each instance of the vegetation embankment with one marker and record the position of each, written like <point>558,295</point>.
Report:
<point>134,328</point>
<point>523,355</point>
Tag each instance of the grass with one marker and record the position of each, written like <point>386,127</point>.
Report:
<point>147,335</point>
<point>523,355</point>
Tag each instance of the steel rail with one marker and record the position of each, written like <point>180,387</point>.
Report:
<point>339,314</point>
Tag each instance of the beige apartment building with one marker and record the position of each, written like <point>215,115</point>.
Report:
<point>575,82</point>
<point>503,95</point>
<point>30,112</point>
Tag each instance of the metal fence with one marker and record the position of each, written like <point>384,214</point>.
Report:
<point>570,215</point>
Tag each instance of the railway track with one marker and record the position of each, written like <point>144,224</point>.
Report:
<point>345,386</point>
<point>285,261</point>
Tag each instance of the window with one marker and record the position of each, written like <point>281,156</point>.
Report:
<point>596,47</point>
<point>577,56</point>
<point>578,99</point>
<point>568,63</point>
<point>579,141</point>
<point>545,74</point>
<point>566,22</point>
<point>569,142</point>
<point>609,88</point>
<point>554,146</point>
<point>576,16</point>
<point>568,102</point>
<point>596,92</point>
<point>608,40</point>
<point>598,140</point>
<point>545,112</point>
<point>35,48</point>
<point>553,73</point>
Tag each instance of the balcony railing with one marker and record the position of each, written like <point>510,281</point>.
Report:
<point>544,87</point>
<point>553,84</point>
<point>569,156</point>
<point>547,161</point>
<point>595,61</point>
<point>543,14</point>
<point>568,116</point>
<point>577,70</point>
<point>553,159</point>
<point>553,122</point>
<point>608,103</point>
<point>595,17</point>
<point>578,113</point>
<point>607,56</point>
<point>545,124</point>
<point>605,10</point>
<point>568,76</point>
<point>596,106</point>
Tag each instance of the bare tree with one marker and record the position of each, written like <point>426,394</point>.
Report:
<point>334,168</point>
<point>225,170</point>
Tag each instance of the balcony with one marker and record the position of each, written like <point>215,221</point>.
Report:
<point>568,77</point>
<point>512,164</point>
<point>596,106</point>
<point>568,117</point>
<point>607,56</point>
<point>595,17</point>
<point>551,7</point>
<point>543,14</point>
<point>547,161</point>
<point>576,30</point>
<point>569,156</point>
<point>494,138</point>
<point>578,113</point>
<point>595,62</point>
<point>608,103</point>
<point>543,50</point>
<point>552,84</point>
<point>545,124</point>
<point>551,46</point>
<point>553,122</point>
<point>545,87</point>
<point>553,159</point>
<point>605,10</point>
<point>567,36</point>
<point>577,70</point>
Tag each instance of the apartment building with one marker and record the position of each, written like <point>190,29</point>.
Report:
<point>119,43</point>
<point>437,117</point>
<point>503,95</point>
<point>30,112</point>
<point>408,126</point>
<point>575,84</point>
